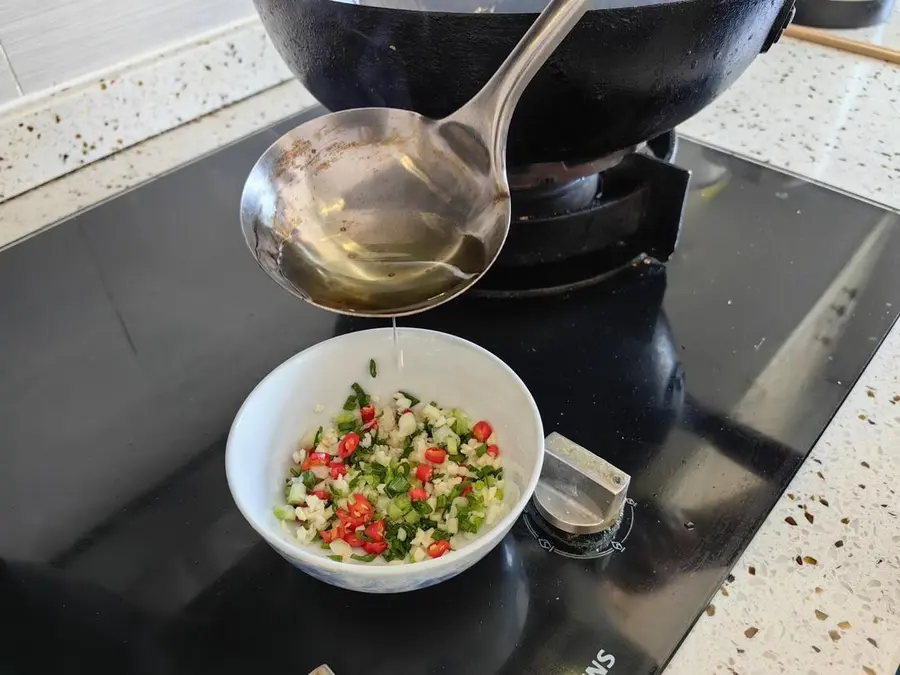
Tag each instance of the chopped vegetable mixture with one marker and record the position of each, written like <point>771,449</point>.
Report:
<point>397,483</point>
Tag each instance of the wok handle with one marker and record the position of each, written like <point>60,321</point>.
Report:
<point>492,108</point>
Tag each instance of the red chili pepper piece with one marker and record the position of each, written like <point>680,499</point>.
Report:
<point>482,431</point>
<point>376,547</point>
<point>348,445</point>
<point>438,548</point>
<point>436,455</point>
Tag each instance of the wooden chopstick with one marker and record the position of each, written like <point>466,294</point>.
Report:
<point>827,39</point>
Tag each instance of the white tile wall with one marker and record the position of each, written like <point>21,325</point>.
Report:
<point>49,42</point>
<point>8,88</point>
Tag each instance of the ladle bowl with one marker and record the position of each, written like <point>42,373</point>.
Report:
<point>384,212</point>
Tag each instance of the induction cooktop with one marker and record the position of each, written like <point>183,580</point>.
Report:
<point>130,334</point>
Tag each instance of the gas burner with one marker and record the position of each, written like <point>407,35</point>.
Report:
<point>555,173</point>
<point>565,236</point>
<point>551,199</point>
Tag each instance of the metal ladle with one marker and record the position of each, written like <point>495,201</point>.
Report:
<point>384,212</point>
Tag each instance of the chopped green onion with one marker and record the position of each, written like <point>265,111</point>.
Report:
<point>358,457</point>
<point>284,512</point>
<point>347,427</point>
<point>480,450</point>
<point>412,517</point>
<point>397,487</point>
<point>423,507</point>
<point>364,558</point>
<point>479,485</point>
<point>458,490</point>
<point>350,403</point>
<point>349,416</point>
<point>309,479</point>
<point>412,399</point>
<point>324,546</point>
<point>486,471</point>
<point>440,534</point>
<point>318,438</point>
<point>499,494</point>
<point>336,558</point>
<point>407,448</point>
<point>428,523</point>
<point>403,469</point>
<point>466,524</point>
<point>462,424</point>
<point>373,369</point>
<point>296,471</point>
<point>399,506</point>
<point>442,502</point>
<point>362,398</point>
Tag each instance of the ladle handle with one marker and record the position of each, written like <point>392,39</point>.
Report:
<point>492,108</point>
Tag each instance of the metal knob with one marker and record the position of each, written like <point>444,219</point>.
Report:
<point>579,492</point>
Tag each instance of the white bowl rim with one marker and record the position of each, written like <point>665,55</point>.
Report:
<point>290,549</point>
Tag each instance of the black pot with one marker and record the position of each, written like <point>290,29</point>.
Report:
<point>842,13</point>
<point>624,74</point>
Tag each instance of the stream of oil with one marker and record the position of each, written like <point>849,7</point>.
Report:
<point>398,350</point>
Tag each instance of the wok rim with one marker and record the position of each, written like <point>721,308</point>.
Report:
<point>488,7</point>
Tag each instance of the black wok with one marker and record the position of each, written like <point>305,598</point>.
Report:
<point>623,76</point>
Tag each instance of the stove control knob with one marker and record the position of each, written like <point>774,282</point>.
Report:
<point>579,492</point>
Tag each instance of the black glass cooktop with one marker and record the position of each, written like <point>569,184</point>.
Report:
<point>130,334</point>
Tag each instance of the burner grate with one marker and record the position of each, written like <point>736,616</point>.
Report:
<point>635,215</point>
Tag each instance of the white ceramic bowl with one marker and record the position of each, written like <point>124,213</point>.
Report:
<point>453,371</point>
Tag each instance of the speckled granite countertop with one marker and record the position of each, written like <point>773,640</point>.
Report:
<point>830,117</point>
<point>821,114</point>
